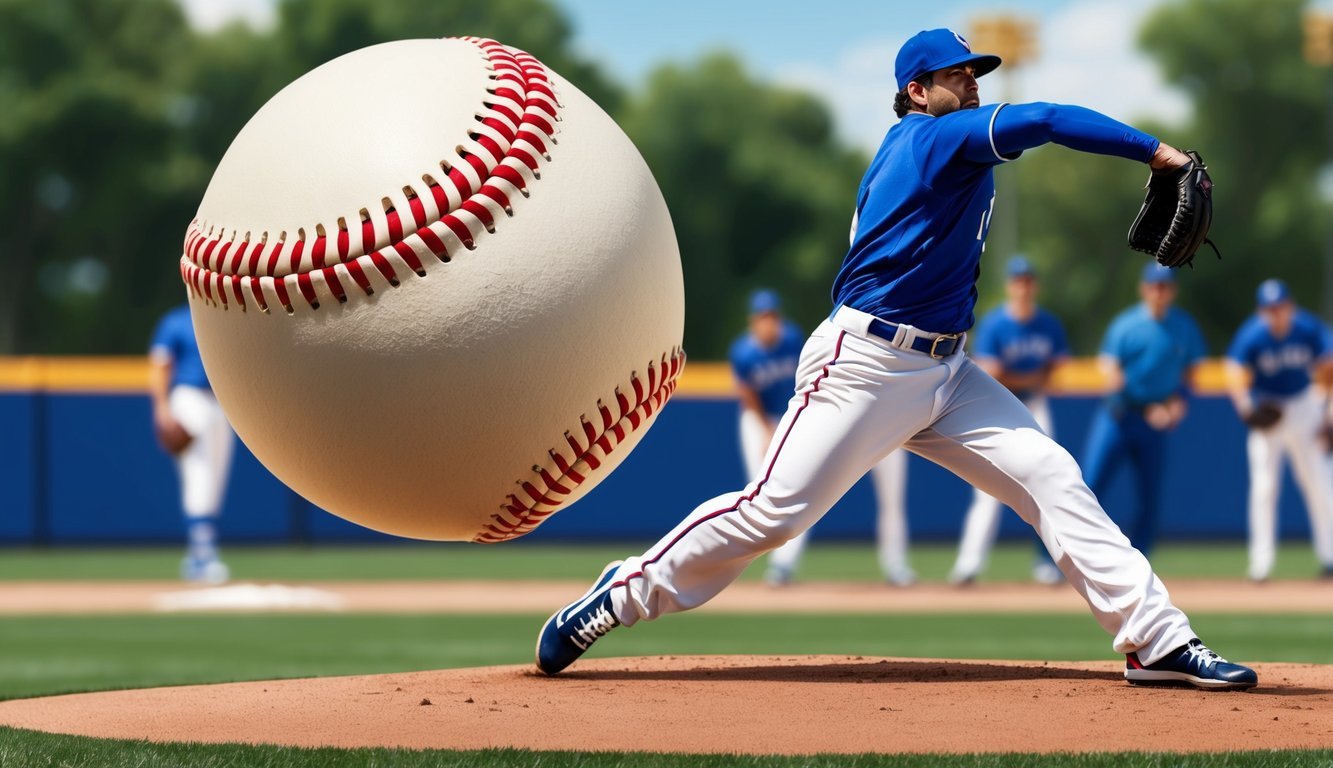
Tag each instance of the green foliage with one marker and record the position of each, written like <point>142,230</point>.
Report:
<point>85,181</point>
<point>117,112</point>
<point>1074,212</point>
<point>760,192</point>
<point>1260,121</point>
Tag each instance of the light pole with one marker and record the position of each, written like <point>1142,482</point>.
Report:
<point>1318,25</point>
<point>1013,38</point>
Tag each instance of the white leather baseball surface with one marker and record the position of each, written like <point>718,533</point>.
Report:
<point>436,289</point>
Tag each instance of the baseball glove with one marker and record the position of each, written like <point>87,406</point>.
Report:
<point>1263,415</point>
<point>1326,436</point>
<point>1177,211</point>
<point>172,437</point>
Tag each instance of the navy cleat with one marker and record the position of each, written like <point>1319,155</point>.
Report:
<point>573,629</point>
<point>1191,664</point>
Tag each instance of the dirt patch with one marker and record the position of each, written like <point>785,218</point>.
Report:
<point>542,597</point>
<point>746,704</point>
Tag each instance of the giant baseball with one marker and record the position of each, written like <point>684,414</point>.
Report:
<point>436,290</point>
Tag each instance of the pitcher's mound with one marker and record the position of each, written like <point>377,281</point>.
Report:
<point>748,704</point>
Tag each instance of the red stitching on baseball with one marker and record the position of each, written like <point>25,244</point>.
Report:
<point>502,155</point>
<point>540,495</point>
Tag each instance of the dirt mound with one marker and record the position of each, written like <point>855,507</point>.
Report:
<point>747,704</point>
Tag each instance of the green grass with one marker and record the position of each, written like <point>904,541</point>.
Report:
<point>41,655</point>
<point>59,654</point>
<point>26,748</point>
<point>825,562</point>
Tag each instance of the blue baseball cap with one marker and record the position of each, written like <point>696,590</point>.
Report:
<point>936,49</point>
<point>764,300</point>
<point>1019,266</point>
<point>1156,274</point>
<point>1271,293</point>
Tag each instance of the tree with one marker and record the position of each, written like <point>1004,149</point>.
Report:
<point>760,192</point>
<point>1261,123</point>
<point>310,32</point>
<point>86,191</point>
<point>116,114</point>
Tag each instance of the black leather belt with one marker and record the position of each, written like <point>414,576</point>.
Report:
<point>943,345</point>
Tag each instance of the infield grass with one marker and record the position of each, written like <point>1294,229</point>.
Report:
<point>823,562</point>
<point>42,655</point>
<point>26,748</point>
<point>59,654</point>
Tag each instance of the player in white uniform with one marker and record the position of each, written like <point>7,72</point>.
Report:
<point>763,363</point>
<point>887,370</point>
<point>1272,365</point>
<point>1020,344</point>
<point>191,427</point>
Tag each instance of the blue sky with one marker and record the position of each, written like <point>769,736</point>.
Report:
<point>769,35</point>
<point>842,50</point>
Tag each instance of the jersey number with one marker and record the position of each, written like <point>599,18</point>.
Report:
<point>985,222</point>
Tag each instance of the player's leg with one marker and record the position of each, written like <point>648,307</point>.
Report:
<point>1147,454</point>
<point>1104,450</point>
<point>755,436</point>
<point>1298,432</point>
<point>1264,454</point>
<point>202,467</point>
<point>1044,569</point>
<point>982,524</point>
<point>980,527</point>
<point>988,438</point>
<point>889,477</point>
<point>851,407</point>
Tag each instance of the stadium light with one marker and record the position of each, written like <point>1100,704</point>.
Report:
<point>1012,37</point>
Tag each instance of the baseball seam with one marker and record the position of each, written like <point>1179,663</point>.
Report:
<point>452,206</point>
<point>542,494</point>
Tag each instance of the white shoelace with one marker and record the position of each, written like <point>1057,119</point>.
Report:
<point>597,625</point>
<point>1206,656</point>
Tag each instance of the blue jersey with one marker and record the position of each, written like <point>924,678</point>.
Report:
<point>174,339</point>
<point>771,373</point>
<point>924,205</point>
<point>1021,346</point>
<point>1153,354</point>
<point>1281,367</point>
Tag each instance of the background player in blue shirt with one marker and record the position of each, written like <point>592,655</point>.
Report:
<point>887,370</point>
<point>191,427</point>
<point>1020,344</point>
<point>763,363</point>
<point>1272,361</point>
<point>1148,354</point>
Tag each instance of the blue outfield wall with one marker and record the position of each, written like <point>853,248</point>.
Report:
<point>84,468</point>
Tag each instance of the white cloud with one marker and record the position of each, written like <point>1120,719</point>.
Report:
<point>211,15</point>
<point>1088,56</point>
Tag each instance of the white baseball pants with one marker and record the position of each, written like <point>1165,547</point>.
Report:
<point>204,463</point>
<point>983,516</point>
<point>1295,436</point>
<point>889,478</point>
<point>858,399</point>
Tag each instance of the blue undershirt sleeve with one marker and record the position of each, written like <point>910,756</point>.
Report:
<point>1023,126</point>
